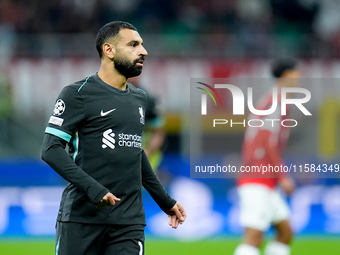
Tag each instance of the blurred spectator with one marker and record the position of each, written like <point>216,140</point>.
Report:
<point>255,25</point>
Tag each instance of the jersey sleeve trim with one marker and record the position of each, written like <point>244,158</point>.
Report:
<point>83,83</point>
<point>142,90</point>
<point>61,134</point>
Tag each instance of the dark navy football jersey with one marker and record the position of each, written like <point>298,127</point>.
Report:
<point>103,127</point>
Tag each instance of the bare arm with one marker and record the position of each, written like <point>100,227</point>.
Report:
<point>156,141</point>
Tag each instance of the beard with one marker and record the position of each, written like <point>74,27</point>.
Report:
<point>127,68</point>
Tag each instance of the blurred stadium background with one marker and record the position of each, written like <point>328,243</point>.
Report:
<point>45,45</point>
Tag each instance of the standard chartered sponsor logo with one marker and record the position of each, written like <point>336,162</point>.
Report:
<point>128,140</point>
<point>122,140</point>
<point>108,139</point>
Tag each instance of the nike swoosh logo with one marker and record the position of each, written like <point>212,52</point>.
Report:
<point>106,113</point>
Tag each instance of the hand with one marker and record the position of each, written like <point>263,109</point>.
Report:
<point>108,200</point>
<point>287,185</point>
<point>176,215</point>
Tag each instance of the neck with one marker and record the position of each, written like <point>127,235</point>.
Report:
<point>111,76</point>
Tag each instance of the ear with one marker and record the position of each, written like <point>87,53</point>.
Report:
<point>109,50</point>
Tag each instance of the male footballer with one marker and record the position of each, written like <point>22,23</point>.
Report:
<point>261,205</point>
<point>101,118</point>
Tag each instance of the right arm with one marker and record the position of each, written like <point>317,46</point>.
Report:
<point>54,154</point>
<point>58,133</point>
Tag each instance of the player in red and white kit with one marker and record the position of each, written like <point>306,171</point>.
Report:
<point>261,204</point>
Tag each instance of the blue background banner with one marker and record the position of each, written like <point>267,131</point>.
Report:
<point>30,193</point>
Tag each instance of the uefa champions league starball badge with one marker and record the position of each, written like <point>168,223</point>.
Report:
<point>59,107</point>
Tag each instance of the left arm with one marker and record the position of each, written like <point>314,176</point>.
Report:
<point>151,183</point>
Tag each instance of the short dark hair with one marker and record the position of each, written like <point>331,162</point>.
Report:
<point>108,31</point>
<point>279,66</point>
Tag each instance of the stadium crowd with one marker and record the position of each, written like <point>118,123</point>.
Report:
<point>305,26</point>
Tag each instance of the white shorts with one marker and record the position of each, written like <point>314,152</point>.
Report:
<point>261,206</point>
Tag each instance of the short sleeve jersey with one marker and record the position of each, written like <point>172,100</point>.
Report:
<point>254,152</point>
<point>103,127</point>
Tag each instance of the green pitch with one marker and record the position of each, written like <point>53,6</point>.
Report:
<point>310,246</point>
